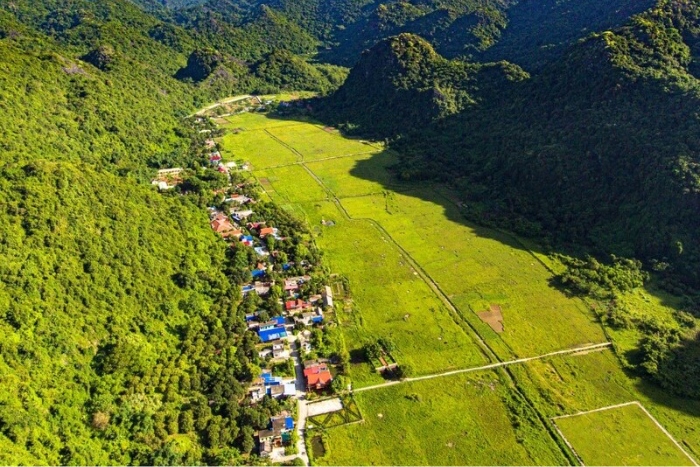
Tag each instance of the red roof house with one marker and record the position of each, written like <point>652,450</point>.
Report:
<point>266,231</point>
<point>318,376</point>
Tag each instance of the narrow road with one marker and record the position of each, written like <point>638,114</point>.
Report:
<point>221,102</point>
<point>301,400</point>
<point>488,367</point>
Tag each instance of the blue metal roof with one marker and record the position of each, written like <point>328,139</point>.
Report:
<point>279,319</point>
<point>289,423</point>
<point>258,273</point>
<point>317,319</point>
<point>267,335</point>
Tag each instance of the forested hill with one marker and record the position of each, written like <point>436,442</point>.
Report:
<point>403,83</point>
<point>122,340</point>
<point>600,147</point>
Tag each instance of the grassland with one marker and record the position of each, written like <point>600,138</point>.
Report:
<point>461,420</point>
<point>477,267</point>
<point>387,238</point>
<point>620,436</point>
<point>389,299</point>
<point>313,142</point>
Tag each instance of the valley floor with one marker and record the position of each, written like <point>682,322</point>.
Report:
<point>453,296</point>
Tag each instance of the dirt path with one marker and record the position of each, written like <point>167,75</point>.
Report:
<point>489,367</point>
<point>221,102</point>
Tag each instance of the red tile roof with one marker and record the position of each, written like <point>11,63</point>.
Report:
<point>317,376</point>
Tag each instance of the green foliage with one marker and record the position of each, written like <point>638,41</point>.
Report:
<point>402,84</point>
<point>590,277</point>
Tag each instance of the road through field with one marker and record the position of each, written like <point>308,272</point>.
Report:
<point>491,366</point>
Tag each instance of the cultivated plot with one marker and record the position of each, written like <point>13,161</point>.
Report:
<point>621,435</point>
<point>390,299</point>
<point>291,184</point>
<point>314,143</point>
<point>253,121</point>
<point>460,420</point>
<point>479,268</point>
<point>335,174</point>
<point>588,380</point>
<point>258,148</point>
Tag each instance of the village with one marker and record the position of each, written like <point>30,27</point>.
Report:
<point>287,302</point>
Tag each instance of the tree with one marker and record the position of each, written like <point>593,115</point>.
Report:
<point>404,371</point>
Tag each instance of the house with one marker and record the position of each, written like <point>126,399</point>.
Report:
<point>238,199</point>
<point>261,251</point>
<point>256,392</point>
<point>277,433</point>
<point>262,288</point>
<point>271,332</point>
<point>247,240</point>
<point>314,299</point>
<point>279,351</point>
<point>327,294</point>
<point>258,273</point>
<point>221,225</point>
<point>282,390</point>
<point>264,232</point>
<point>240,216</point>
<point>210,143</point>
<point>309,318</point>
<point>215,158</point>
<point>296,305</point>
<point>317,376</point>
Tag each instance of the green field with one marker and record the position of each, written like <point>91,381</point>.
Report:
<point>389,299</point>
<point>459,420</point>
<point>477,267</point>
<point>620,436</point>
<point>313,142</point>
<point>389,239</point>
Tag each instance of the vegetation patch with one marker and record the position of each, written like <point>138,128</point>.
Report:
<point>460,420</point>
<point>623,435</point>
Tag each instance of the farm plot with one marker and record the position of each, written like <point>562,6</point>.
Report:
<point>313,143</point>
<point>621,435</point>
<point>291,184</point>
<point>479,268</point>
<point>583,382</point>
<point>371,175</point>
<point>256,121</point>
<point>389,299</point>
<point>460,420</point>
<point>257,147</point>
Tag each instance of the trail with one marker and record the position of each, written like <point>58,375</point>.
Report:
<point>221,102</point>
<point>490,367</point>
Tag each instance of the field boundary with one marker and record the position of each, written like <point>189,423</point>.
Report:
<point>617,406</point>
<point>491,366</point>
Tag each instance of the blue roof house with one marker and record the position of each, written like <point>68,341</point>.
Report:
<point>272,333</point>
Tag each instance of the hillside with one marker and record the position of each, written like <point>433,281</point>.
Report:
<point>119,306</point>
<point>573,155</point>
<point>402,83</point>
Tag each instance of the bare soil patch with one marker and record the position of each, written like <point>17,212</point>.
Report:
<point>493,317</point>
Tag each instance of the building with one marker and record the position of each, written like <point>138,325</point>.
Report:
<point>296,305</point>
<point>277,434</point>
<point>327,294</point>
<point>271,332</point>
<point>309,318</point>
<point>317,376</point>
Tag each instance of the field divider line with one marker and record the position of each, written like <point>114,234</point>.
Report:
<point>661,427</point>
<point>490,367</point>
<point>344,156</point>
<point>300,155</point>
<point>617,406</point>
